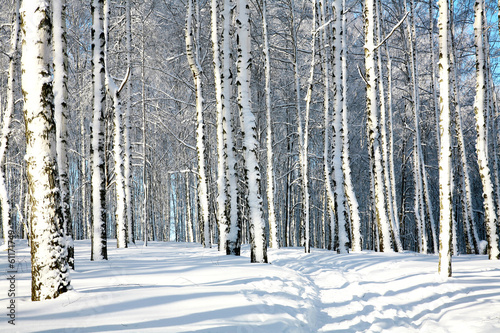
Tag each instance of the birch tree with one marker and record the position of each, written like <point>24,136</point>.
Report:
<point>192,52</point>
<point>234,224</point>
<point>338,174</point>
<point>98,235</point>
<point>273,225</point>
<point>258,243</point>
<point>7,117</point>
<point>490,217</point>
<point>445,218</point>
<point>49,256</point>
<point>346,167</point>
<point>374,127</point>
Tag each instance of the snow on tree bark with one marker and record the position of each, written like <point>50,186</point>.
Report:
<point>98,234</point>
<point>373,128</point>
<point>7,117</point>
<point>192,52</point>
<point>445,219</point>
<point>338,174</point>
<point>234,227</point>
<point>490,216</point>
<point>258,243</point>
<point>60,87</point>
<point>49,256</point>
<point>273,225</point>
<point>346,167</point>
<point>114,91</point>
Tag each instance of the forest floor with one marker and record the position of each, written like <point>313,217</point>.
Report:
<point>182,287</point>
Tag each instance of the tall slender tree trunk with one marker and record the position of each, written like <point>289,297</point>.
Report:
<point>60,87</point>
<point>274,240</point>
<point>114,92</point>
<point>445,219</point>
<point>374,128</point>
<point>192,51</point>
<point>127,156</point>
<point>49,257</point>
<point>490,216</point>
<point>258,243</point>
<point>338,182</point>
<point>7,117</point>
<point>234,223</point>
<point>98,235</point>
<point>346,167</point>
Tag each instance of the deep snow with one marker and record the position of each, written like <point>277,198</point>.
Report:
<point>182,287</point>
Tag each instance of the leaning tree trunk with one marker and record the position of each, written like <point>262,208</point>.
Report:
<point>249,136</point>
<point>49,257</point>
<point>7,117</point>
<point>490,217</point>
<point>445,219</point>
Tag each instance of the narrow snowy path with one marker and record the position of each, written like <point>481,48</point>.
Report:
<point>375,292</point>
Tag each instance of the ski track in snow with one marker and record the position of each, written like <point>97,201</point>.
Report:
<point>182,287</point>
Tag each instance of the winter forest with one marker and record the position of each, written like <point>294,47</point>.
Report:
<point>345,128</point>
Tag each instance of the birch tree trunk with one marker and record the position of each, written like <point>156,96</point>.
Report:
<point>127,161</point>
<point>466,198</point>
<point>98,235</point>
<point>374,128</point>
<point>234,223</point>
<point>274,241</point>
<point>258,242</point>
<point>7,117</point>
<point>326,108</point>
<point>192,52</point>
<point>49,256</point>
<point>346,167</point>
<point>339,194</point>
<point>60,87</point>
<point>221,147</point>
<point>490,216</point>
<point>114,91</point>
<point>445,219</point>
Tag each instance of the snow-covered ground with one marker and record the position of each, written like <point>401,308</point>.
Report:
<point>180,287</point>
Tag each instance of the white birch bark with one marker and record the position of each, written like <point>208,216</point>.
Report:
<point>326,108</point>
<point>466,198</point>
<point>273,224</point>
<point>234,227</point>
<point>346,167</point>
<point>445,219</point>
<point>127,156</point>
<point>490,216</point>
<point>221,154</point>
<point>374,128</point>
<point>49,266</point>
<point>60,87</point>
<point>383,135</point>
<point>114,91</point>
<point>7,117</point>
<point>258,243</point>
<point>338,174</point>
<point>98,234</point>
<point>192,53</point>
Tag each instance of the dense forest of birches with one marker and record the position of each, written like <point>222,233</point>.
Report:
<point>160,106</point>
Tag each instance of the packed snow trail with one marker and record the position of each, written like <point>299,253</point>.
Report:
<point>182,287</point>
